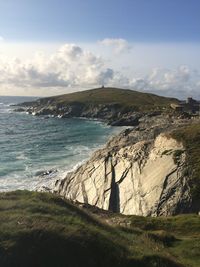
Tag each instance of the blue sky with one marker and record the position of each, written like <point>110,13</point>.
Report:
<point>49,47</point>
<point>88,20</point>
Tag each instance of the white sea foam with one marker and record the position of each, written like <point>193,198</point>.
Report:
<point>34,147</point>
<point>47,182</point>
<point>80,149</point>
<point>21,156</point>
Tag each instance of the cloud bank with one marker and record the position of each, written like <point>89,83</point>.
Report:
<point>118,45</point>
<point>72,68</point>
<point>181,82</point>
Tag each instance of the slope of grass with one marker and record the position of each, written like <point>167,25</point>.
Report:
<point>181,233</point>
<point>42,230</point>
<point>124,98</point>
<point>39,229</point>
<point>190,137</point>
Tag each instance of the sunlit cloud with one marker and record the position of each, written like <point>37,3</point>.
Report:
<point>180,82</point>
<point>71,67</point>
<point>118,45</point>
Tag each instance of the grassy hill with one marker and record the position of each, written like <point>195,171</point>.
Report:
<point>39,229</point>
<point>190,137</point>
<point>122,97</point>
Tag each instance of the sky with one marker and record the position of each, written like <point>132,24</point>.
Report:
<point>50,47</point>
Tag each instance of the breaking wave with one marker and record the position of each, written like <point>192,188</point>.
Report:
<point>36,152</point>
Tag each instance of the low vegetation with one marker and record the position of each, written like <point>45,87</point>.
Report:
<point>126,99</point>
<point>190,137</point>
<point>40,229</point>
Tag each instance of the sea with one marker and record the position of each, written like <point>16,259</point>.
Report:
<point>37,150</point>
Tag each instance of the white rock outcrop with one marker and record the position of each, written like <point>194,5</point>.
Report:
<point>144,178</point>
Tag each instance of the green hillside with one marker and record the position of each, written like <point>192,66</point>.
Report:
<point>123,97</point>
<point>190,137</point>
<point>39,229</point>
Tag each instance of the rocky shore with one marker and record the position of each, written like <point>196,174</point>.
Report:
<point>116,107</point>
<point>142,171</point>
<point>112,114</point>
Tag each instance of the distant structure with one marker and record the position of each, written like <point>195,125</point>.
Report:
<point>102,86</point>
<point>190,101</point>
<point>177,107</point>
<point>190,105</point>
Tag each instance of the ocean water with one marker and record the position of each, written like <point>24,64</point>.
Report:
<point>30,146</point>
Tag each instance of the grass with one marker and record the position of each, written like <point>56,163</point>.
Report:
<point>122,98</point>
<point>190,137</point>
<point>40,229</point>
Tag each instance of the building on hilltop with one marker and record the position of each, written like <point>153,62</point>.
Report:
<point>190,101</point>
<point>190,105</point>
<point>176,107</point>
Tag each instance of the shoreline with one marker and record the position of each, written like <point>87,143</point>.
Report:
<point>117,160</point>
<point>42,186</point>
<point>42,111</point>
<point>49,179</point>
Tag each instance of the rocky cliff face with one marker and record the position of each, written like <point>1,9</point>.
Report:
<point>112,114</point>
<point>140,172</point>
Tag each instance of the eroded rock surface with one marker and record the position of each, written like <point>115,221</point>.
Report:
<point>141,171</point>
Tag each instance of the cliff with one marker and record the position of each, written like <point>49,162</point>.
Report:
<point>143,171</point>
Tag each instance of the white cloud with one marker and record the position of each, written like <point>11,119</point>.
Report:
<point>181,82</point>
<point>118,45</point>
<point>1,39</point>
<point>69,52</point>
<point>71,67</point>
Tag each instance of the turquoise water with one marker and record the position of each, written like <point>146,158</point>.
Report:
<point>30,146</point>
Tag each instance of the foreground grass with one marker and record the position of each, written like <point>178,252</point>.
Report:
<point>179,234</point>
<point>39,229</point>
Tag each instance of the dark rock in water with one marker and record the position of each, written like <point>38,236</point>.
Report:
<point>19,110</point>
<point>46,173</point>
<point>44,111</point>
<point>29,111</point>
<point>49,172</point>
<point>38,173</point>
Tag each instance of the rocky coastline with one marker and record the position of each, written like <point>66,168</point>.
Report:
<point>141,171</point>
<point>112,114</point>
<point>114,106</point>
